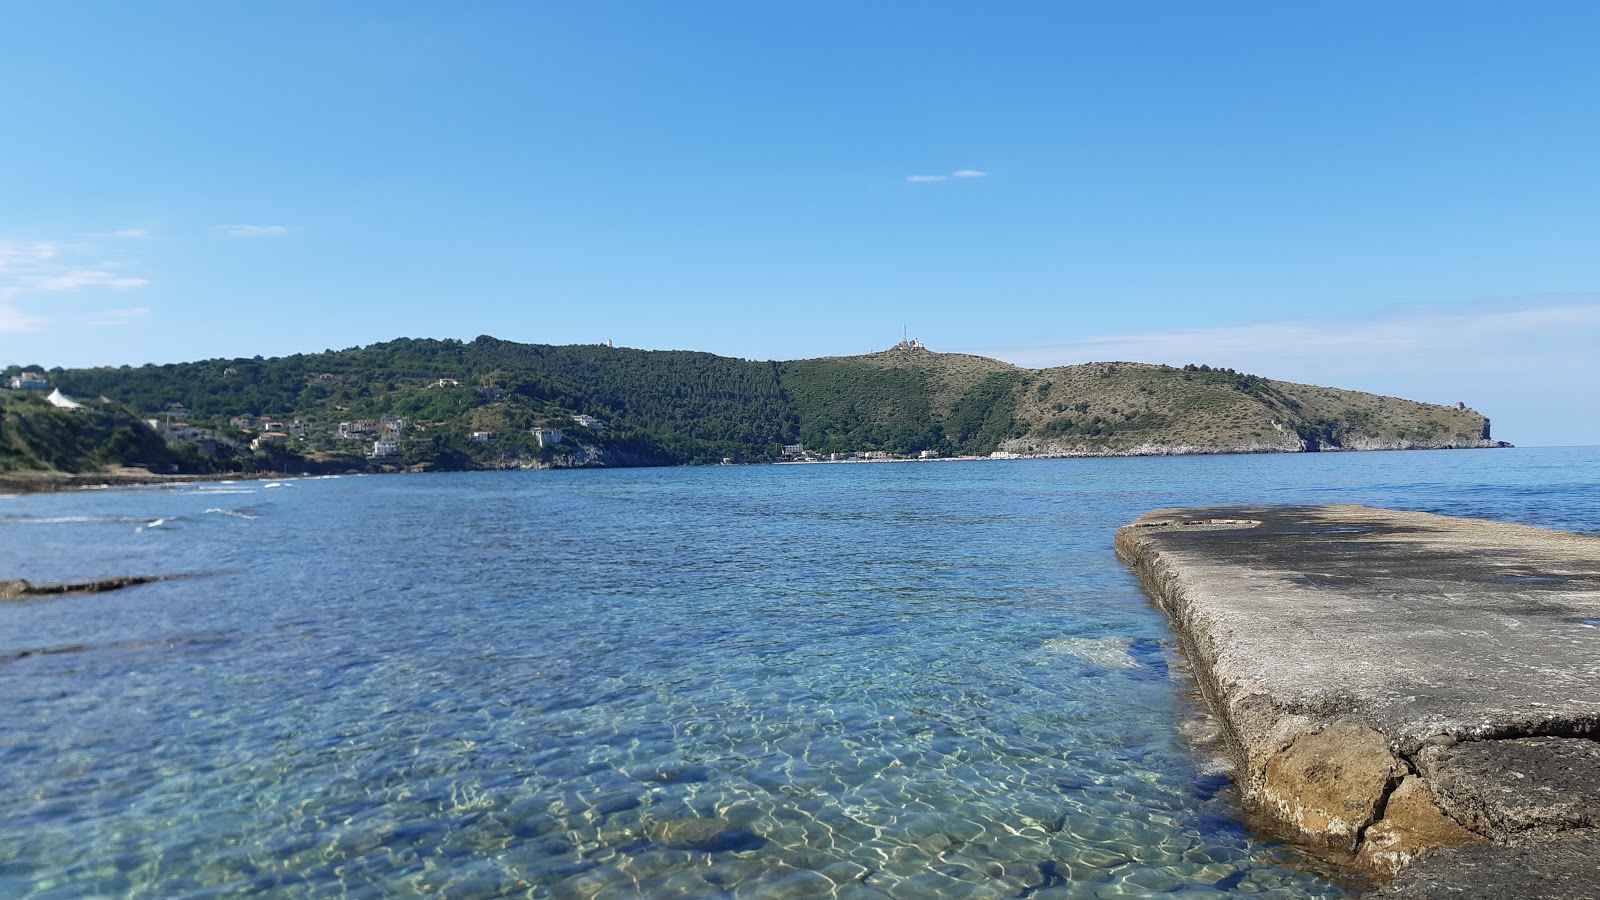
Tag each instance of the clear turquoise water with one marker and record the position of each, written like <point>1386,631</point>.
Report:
<point>907,680</point>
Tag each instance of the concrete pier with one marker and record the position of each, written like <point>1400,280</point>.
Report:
<point>1398,686</point>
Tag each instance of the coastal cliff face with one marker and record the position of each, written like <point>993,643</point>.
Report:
<point>1395,685</point>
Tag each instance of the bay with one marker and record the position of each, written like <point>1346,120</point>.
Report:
<point>912,680</point>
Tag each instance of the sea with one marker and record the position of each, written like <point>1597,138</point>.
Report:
<point>855,680</point>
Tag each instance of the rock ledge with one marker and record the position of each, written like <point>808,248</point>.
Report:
<point>1395,684</point>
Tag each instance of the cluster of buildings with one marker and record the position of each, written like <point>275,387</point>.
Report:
<point>384,434</point>
<point>799,453</point>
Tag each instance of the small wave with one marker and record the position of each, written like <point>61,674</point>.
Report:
<point>1110,652</point>
<point>236,513</point>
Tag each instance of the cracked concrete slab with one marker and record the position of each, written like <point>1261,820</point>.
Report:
<point>1414,653</point>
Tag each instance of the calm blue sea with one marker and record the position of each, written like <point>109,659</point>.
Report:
<point>919,680</point>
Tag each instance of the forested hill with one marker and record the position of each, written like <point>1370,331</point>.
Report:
<point>482,403</point>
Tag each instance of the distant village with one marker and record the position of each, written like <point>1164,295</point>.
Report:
<point>376,439</point>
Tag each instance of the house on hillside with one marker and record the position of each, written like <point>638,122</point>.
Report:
<point>269,438</point>
<point>481,436</point>
<point>30,381</point>
<point>349,430</point>
<point>548,437</point>
<point>589,422</point>
<point>794,449</point>
<point>178,430</point>
<point>382,448</point>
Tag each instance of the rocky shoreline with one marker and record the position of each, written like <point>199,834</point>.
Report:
<point>1403,692</point>
<point>34,482</point>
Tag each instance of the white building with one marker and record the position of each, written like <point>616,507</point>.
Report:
<point>589,422</point>
<point>348,430</point>
<point>548,437</point>
<point>380,449</point>
<point>269,438</point>
<point>29,381</point>
<point>481,436</point>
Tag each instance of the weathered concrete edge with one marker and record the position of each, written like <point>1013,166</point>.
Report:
<point>1376,812</point>
<point>1419,790</point>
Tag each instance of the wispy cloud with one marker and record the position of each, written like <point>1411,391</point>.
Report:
<point>15,321</point>
<point>26,254</point>
<point>82,278</point>
<point>1461,336</point>
<point>934,179</point>
<point>113,318</point>
<point>253,230</point>
<point>51,267</point>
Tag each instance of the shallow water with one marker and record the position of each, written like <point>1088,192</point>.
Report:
<point>865,680</point>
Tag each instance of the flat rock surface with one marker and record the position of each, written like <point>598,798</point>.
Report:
<point>1560,868</point>
<point>1397,682</point>
<point>1426,625</point>
<point>1512,789</point>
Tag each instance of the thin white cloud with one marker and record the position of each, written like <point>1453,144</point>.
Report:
<point>51,267</point>
<point>113,318</point>
<point>253,230</point>
<point>82,278</point>
<point>934,179</point>
<point>26,254</point>
<point>124,234</point>
<point>1468,336</point>
<point>15,321</point>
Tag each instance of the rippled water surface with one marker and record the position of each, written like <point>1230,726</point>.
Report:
<point>923,680</point>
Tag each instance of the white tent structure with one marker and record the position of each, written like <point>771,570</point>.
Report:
<point>57,398</point>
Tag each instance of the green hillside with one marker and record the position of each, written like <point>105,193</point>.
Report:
<point>481,404</point>
<point>35,436</point>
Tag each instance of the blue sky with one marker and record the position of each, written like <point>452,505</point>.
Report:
<point>1400,197</point>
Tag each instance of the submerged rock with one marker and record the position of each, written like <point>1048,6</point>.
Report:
<point>697,833</point>
<point>18,589</point>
